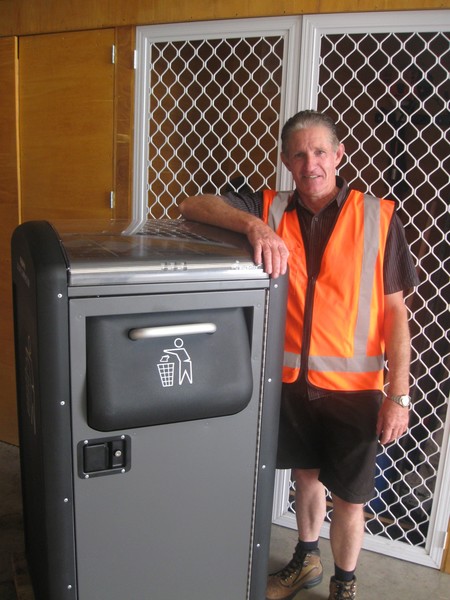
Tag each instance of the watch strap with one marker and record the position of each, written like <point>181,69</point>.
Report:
<point>402,399</point>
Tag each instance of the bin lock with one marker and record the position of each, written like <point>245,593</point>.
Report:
<point>104,456</point>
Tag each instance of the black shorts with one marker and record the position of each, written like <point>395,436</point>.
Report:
<point>335,434</point>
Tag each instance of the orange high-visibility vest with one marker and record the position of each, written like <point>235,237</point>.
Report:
<point>335,321</point>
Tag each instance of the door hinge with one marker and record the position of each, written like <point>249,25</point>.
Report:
<point>135,59</point>
<point>113,54</point>
<point>112,200</point>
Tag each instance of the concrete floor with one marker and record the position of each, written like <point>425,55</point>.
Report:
<point>11,524</point>
<point>379,577</point>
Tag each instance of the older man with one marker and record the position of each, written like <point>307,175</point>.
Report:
<point>349,266</point>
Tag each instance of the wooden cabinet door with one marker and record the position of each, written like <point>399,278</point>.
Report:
<point>9,215</point>
<point>66,120</point>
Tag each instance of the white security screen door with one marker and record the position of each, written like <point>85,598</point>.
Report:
<point>209,101</point>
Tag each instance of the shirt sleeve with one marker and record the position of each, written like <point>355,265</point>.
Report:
<point>399,269</point>
<point>250,202</point>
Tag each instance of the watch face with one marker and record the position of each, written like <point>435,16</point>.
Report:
<point>404,400</point>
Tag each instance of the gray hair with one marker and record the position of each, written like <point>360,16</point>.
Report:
<point>308,118</point>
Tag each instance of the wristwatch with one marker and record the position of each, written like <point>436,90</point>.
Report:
<point>404,400</point>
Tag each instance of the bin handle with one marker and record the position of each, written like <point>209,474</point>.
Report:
<point>144,333</point>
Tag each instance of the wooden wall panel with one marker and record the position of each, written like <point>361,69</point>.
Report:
<point>66,112</point>
<point>38,16</point>
<point>76,140</point>
<point>9,194</point>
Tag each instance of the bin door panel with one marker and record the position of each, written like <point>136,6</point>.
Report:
<point>179,522</point>
<point>155,368</point>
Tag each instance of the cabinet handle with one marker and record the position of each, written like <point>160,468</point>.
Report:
<point>145,333</point>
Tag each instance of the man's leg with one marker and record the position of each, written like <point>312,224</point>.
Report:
<point>346,535</point>
<point>310,503</point>
<point>305,568</point>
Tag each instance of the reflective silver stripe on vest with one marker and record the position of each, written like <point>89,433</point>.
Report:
<point>292,360</point>
<point>277,208</point>
<point>354,364</point>
<point>360,362</point>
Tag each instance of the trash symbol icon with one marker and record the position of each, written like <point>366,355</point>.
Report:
<point>181,360</point>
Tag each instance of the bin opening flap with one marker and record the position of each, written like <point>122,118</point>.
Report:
<point>156,368</point>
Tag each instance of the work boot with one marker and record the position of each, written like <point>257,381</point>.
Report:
<point>342,590</point>
<point>303,571</point>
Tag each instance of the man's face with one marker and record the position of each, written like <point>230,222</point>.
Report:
<point>312,160</point>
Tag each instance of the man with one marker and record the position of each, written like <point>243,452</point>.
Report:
<point>348,267</point>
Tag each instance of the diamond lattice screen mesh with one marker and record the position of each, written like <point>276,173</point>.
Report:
<point>213,117</point>
<point>390,93</point>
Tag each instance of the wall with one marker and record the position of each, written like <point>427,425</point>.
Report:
<point>9,211</point>
<point>22,17</point>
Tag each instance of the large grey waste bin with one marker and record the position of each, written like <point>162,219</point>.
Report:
<point>148,402</point>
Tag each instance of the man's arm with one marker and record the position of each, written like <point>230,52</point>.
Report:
<point>393,419</point>
<point>268,247</point>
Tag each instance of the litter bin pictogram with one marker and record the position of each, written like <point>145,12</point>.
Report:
<point>166,371</point>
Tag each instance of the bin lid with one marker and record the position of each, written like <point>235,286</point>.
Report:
<point>158,250</point>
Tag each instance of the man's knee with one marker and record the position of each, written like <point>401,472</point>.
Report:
<point>346,508</point>
<point>305,477</point>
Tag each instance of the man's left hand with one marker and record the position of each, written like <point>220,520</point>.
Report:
<point>393,421</point>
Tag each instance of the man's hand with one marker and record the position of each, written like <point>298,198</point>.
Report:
<point>393,421</point>
<point>269,248</point>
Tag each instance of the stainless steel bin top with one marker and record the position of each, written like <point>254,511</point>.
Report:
<point>158,250</point>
